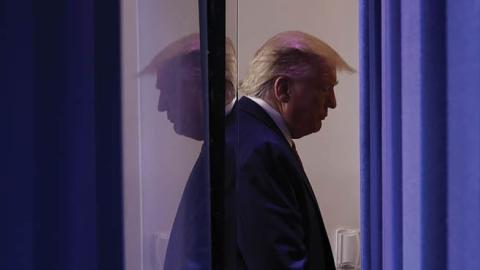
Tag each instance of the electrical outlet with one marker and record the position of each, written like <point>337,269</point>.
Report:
<point>160,240</point>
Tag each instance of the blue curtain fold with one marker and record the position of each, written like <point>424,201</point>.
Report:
<point>463,135</point>
<point>391,160</point>
<point>411,143</point>
<point>370,135</point>
<point>16,139</point>
<point>420,162</point>
<point>433,131</point>
<point>60,136</point>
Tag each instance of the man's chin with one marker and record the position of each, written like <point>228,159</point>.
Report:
<point>318,126</point>
<point>197,137</point>
<point>303,134</point>
<point>189,133</point>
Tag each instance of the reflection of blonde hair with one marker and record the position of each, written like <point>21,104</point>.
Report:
<point>185,52</point>
<point>293,54</point>
<point>230,70</point>
<point>179,48</point>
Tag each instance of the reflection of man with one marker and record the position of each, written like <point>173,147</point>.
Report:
<point>178,71</point>
<point>290,87</point>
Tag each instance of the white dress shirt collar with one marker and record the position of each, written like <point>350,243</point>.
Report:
<point>276,117</point>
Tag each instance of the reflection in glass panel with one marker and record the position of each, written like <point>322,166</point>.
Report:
<point>169,185</point>
<point>178,77</point>
<point>175,187</point>
<point>166,185</point>
<point>231,47</point>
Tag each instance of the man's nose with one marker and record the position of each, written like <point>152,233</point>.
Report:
<point>332,101</point>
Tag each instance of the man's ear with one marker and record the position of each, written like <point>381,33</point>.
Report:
<point>229,92</point>
<point>281,89</point>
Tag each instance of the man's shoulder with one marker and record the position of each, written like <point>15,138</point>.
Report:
<point>250,132</point>
<point>251,121</point>
<point>262,146</point>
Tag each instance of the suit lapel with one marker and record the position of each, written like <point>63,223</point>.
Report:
<point>248,106</point>
<point>309,188</point>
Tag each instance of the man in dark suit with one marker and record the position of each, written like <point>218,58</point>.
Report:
<point>289,90</point>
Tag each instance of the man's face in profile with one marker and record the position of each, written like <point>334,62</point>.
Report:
<point>181,99</point>
<point>310,99</point>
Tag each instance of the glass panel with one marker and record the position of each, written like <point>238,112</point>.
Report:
<point>166,186</point>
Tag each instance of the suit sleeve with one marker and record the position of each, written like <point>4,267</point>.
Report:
<point>270,225</point>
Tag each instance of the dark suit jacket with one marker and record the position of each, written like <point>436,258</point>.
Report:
<point>278,221</point>
<point>189,246</point>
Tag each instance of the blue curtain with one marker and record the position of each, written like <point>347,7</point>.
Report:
<point>60,193</point>
<point>420,134</point>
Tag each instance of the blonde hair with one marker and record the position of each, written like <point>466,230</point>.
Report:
<point>293,54</point>
<point>185,52</point>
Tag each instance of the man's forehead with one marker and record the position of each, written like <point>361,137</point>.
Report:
<point>323,69</point>
<point>325,77</point>
<point>330,77</point>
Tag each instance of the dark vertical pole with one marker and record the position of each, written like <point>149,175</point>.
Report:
<point>212,30</point>
<point>216,93</point>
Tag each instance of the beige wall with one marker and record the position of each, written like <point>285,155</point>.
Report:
<point>331,156</point>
